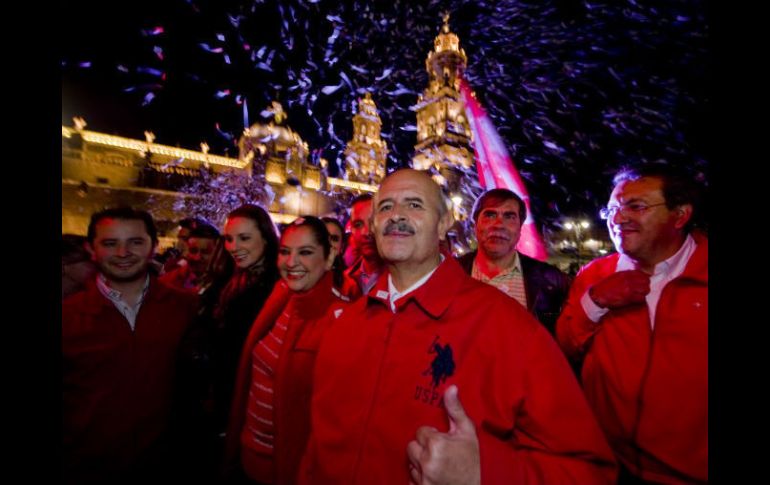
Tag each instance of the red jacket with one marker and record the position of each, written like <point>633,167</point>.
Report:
<point>648,389</point>
<point>310,314</point>
<point>117,384</point>
<point>379,376</point>
<point>180,278</point>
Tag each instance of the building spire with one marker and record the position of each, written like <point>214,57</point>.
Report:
<point>445,27</point>
<point>366,153</point>
<point>443,134</point>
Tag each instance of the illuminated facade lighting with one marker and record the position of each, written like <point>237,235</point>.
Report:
<point>144,146</point>
<point>351,185</point>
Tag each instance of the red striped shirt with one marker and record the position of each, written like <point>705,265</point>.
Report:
<point>259,430</point>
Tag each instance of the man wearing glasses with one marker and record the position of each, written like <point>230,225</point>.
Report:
<point>639,319</point>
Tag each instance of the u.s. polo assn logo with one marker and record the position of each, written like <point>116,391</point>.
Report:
<point>440,368</point>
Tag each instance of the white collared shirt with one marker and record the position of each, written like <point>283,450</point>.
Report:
<point>394,294</point>
<point>663,273</point>
<point>116,297</point>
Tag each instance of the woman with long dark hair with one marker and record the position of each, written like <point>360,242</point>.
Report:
<point>251,241</point>
<point>238,281</point>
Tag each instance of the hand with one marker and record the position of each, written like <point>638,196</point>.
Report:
<point>450,458</point>
<point>621,289</point>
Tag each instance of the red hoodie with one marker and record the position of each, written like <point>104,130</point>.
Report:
<point>648,389</point>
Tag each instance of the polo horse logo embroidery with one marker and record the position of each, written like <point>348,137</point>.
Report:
<point>443,365</point>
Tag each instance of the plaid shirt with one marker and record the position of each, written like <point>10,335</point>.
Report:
<point>116,298</point>
<point>510,281</point>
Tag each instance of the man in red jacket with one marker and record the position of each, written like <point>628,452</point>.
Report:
<point>365,270</point>
<point>385,405</point>
<point>639,319</point>
<point>199,246</point>
<point>119,343</point>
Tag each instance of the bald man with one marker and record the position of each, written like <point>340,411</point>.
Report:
<point>424,381</point>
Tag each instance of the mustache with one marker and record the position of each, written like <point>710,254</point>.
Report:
<point>399,226</point>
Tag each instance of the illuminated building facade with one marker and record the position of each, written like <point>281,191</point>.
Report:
<point>444,140</point>
<point>366,153</point>
<point>443,132</point>
<point>100,171</point>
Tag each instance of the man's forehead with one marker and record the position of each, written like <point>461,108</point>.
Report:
<point>120,229</point>
<point>409,185</point>
<point>332,228</point>
<point>498,205</point>
<point>112,225</point>
<point>640,188</point>
<point>360,208</point>
<point>201,241</point>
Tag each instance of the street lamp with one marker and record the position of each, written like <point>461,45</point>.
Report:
<point>577,227</point>
<point>457,202</point>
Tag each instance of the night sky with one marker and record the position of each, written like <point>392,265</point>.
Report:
<point>576,89</point>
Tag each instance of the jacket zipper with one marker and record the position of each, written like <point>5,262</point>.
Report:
<point>375,394</point>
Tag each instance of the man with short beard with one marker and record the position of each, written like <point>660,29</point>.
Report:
<point>119,346</point>
<point>498,215</point>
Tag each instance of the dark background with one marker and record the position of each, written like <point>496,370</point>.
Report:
<point>576,89</point>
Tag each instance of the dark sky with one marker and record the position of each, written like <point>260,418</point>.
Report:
<point>576,89</point>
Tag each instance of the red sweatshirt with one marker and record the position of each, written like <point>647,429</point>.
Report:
<point>648,389</point>
<point>379,376</point>
<point>309,315</point>
<point>117,383</point>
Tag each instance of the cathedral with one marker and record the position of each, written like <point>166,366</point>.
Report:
<point>100,170</point>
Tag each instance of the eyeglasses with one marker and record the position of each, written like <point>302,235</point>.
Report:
<point>632,208</point>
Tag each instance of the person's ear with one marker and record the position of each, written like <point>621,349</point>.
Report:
<point>682,215</point>
<point>444,223</point>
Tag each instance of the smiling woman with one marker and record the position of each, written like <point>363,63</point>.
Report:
<point>250,240</point>
<point>304,256</point>
<point>270,419</point>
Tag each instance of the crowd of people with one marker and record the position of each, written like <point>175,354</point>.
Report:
<point>314,355</point>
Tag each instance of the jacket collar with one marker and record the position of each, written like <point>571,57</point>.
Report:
<point>433,297</point>
<point>95,302</point>
<point>697,268</point>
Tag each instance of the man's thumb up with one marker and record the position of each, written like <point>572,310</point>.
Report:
<point>459,422</point>
<point>450,458</point>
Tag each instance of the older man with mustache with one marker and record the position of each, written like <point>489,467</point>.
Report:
<point>391,373</point>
